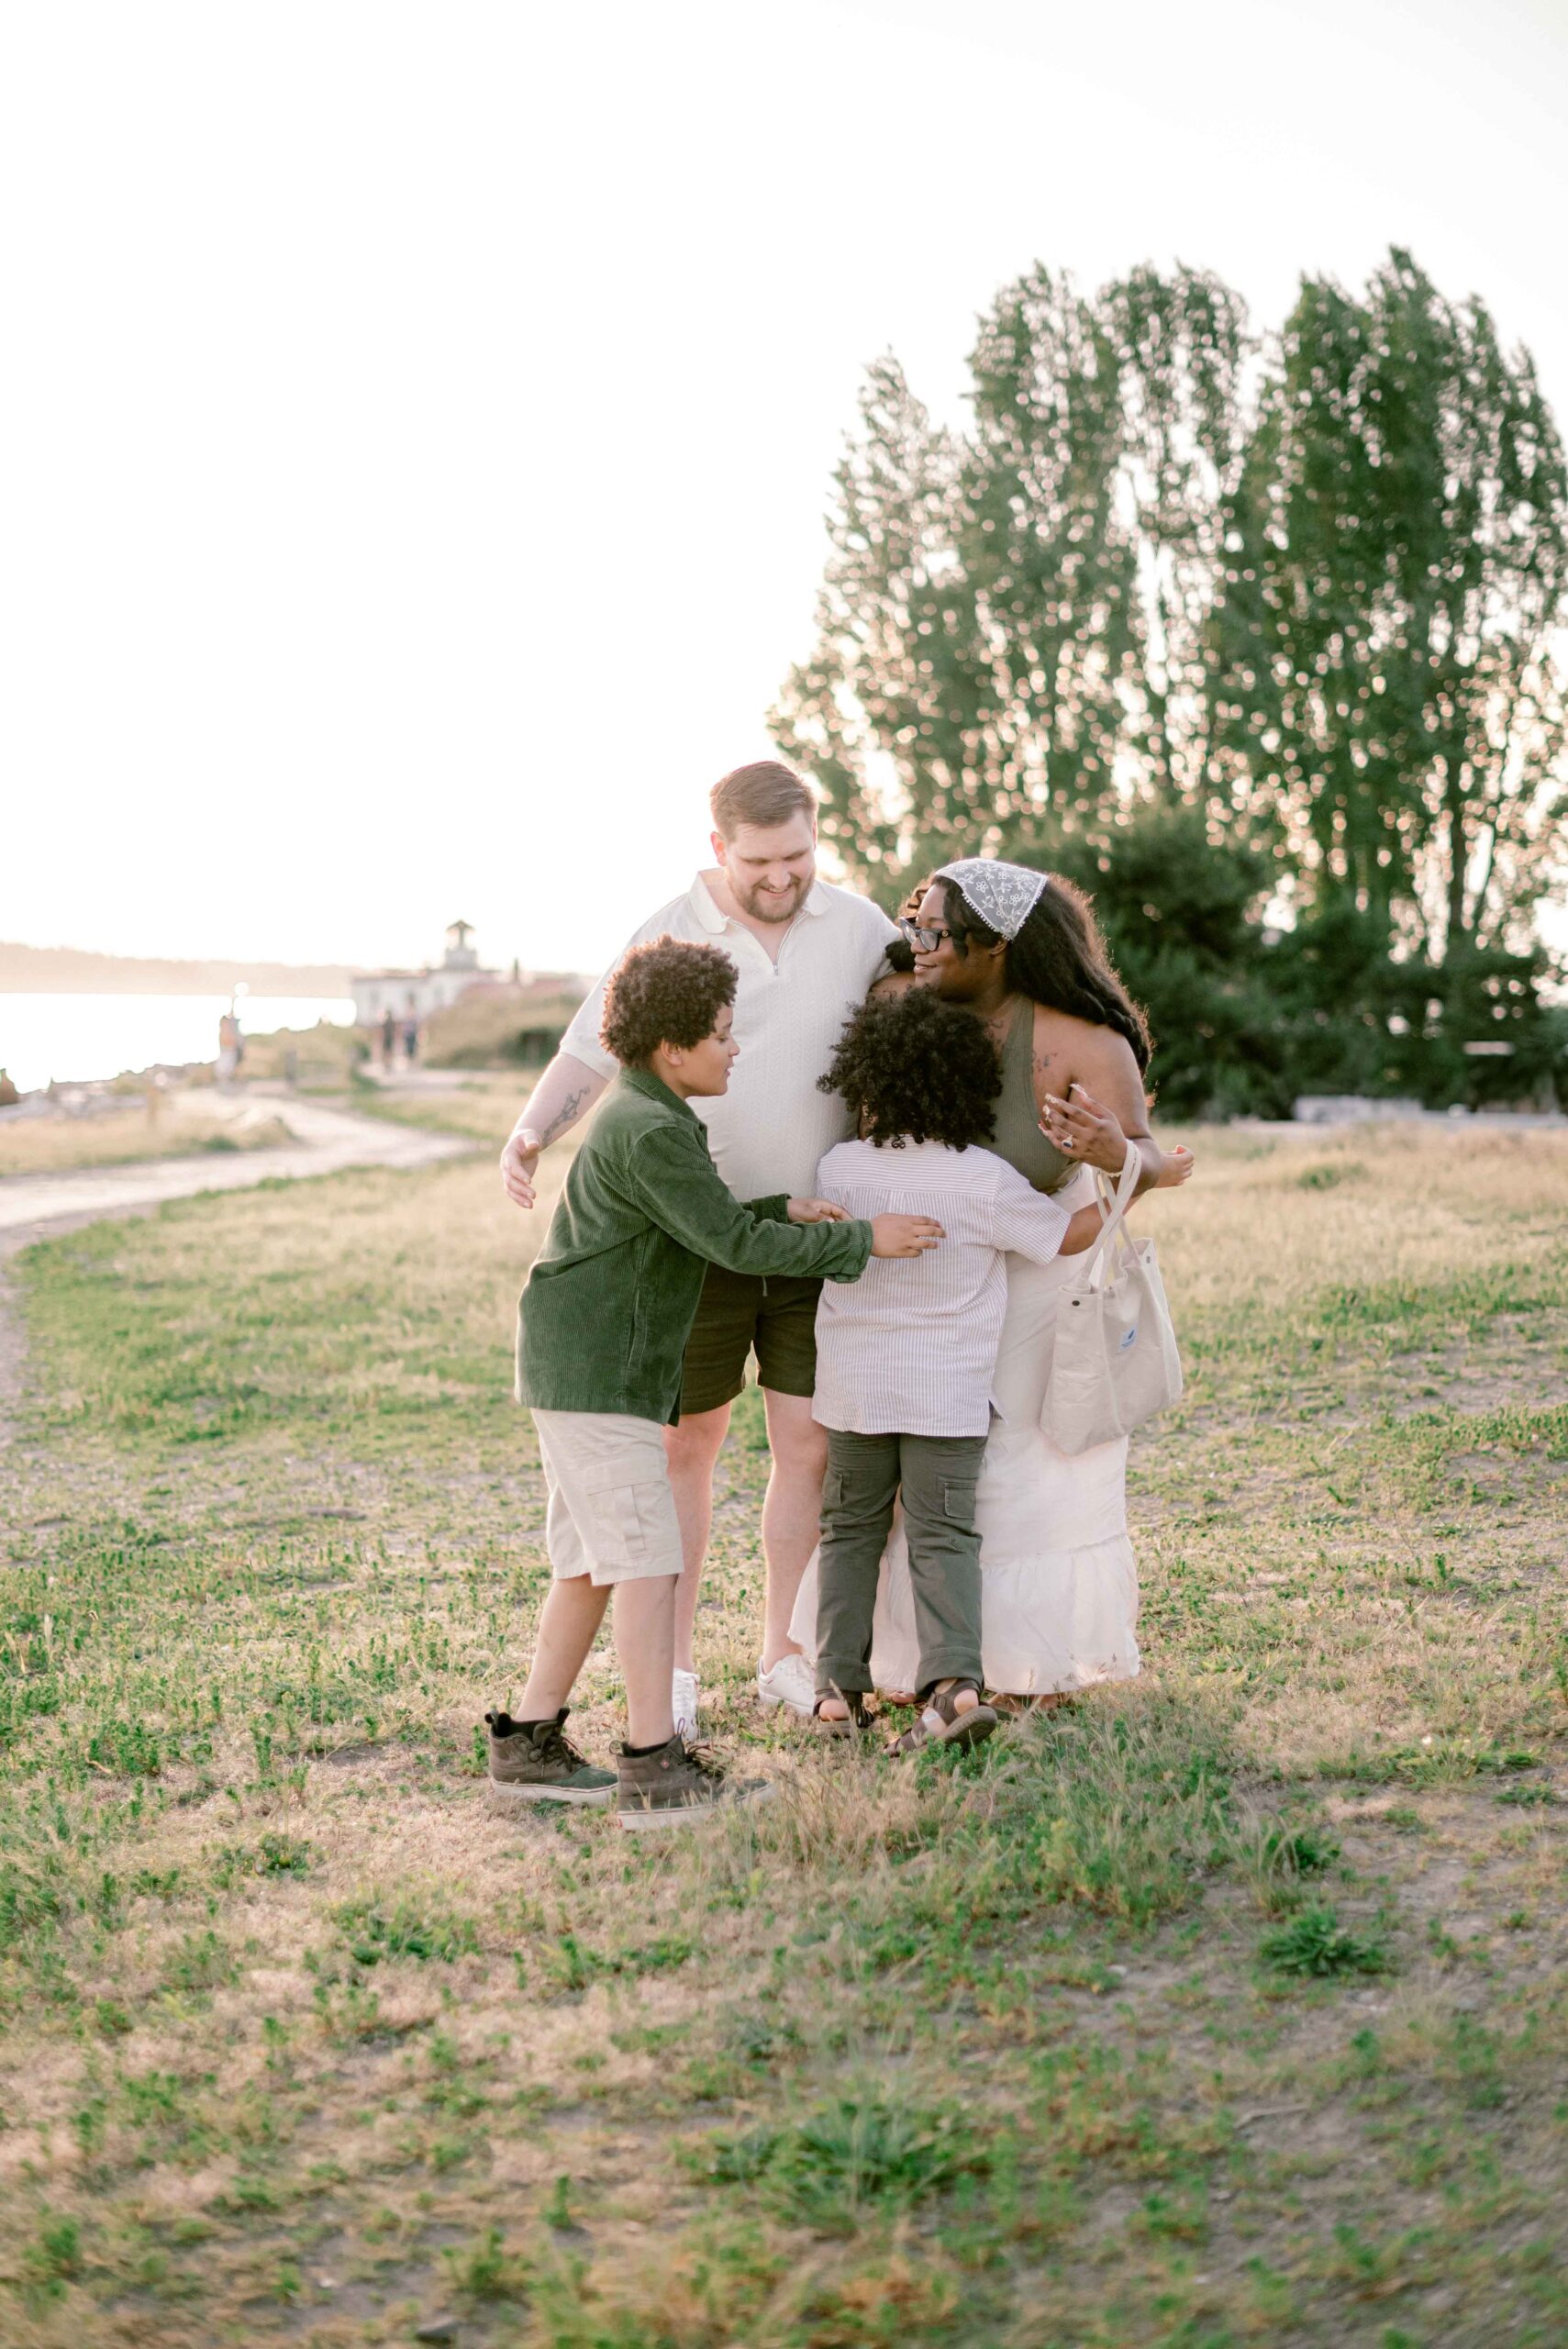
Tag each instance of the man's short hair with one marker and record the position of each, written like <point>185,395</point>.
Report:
<point>668,992</point>
<point>764,794</point>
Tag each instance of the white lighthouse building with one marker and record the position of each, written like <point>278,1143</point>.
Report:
<point>413,995</point>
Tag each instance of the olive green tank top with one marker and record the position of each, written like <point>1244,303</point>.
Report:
<point>1019,1138</point>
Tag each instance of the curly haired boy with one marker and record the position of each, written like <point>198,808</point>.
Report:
<point>903,1372</point>
<point>602,1324</point>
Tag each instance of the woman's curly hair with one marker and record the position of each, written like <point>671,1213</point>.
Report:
<point>915,1069</point>
<point>668,992</point>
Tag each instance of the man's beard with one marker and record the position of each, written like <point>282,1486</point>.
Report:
<point>773,905</point>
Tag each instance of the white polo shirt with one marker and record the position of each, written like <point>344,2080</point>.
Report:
<point>771,1130</point>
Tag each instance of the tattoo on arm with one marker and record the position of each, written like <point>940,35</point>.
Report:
<point>567,1115</point>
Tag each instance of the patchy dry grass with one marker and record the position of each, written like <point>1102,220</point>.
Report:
<point>483,1107</point>
<point>1226,2009</point>
<point>162,1126</point>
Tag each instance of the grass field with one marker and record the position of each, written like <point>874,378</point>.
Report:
<point>483,1107</point>
<point>166,1126</point>
<point>1228,2009</point>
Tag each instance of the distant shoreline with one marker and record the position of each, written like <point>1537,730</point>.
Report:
<point>71,970</point>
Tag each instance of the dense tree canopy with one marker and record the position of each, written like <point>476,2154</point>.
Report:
<point>1288,609</point>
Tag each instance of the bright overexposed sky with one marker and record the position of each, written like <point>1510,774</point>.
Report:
<point>416,421</point>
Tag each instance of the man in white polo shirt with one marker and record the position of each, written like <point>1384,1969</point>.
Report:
<point>806,953</point>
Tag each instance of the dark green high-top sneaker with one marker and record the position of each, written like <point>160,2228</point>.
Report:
<point>680,1786</point>
<point>535,1762</point>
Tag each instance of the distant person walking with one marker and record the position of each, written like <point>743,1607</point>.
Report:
<point>411,1039</point>
<point>806,954</point>
<point>388,1039</point>
<point>229,1047</point>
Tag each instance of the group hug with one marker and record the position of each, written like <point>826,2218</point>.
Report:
<point>861,1151</point>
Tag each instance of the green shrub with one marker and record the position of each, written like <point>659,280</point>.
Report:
<point>1314,1944</point>
<point>832,2169</point>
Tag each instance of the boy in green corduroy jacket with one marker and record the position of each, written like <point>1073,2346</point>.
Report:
<point>602,1324</point>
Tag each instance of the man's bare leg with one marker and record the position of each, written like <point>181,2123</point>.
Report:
<point>568,1626</point>
<point>692,1449</point>
<point>791,1512</point>
<point>645,1650</point>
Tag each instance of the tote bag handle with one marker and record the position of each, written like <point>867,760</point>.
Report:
<point>1113,1206</point>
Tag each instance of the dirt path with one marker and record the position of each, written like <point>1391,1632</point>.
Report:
<point>36,1207</point>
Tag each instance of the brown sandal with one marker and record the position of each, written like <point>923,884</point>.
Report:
<point>860,1719</point>
<point>940,1722</point>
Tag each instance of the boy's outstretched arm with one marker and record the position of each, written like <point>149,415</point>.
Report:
<point>677,1186</point>
<point>892,1235</point>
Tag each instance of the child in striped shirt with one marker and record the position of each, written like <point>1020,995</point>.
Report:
<point>905,1364</point>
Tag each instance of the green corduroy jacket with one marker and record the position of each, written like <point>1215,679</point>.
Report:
<point>606,1310</point>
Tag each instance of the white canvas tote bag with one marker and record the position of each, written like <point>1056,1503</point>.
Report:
<point>1114,1362</point>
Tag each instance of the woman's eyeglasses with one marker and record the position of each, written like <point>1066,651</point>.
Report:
<point>924,942</point>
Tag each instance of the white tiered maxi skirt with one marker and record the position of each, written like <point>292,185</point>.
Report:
<point>1059,1581</point>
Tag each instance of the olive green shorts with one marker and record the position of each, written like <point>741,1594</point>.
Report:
<point>741,1314</point>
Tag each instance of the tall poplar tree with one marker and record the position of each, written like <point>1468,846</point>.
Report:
<point>1390,663</point>
<point>1187,364</point>
<point>1012,625</point>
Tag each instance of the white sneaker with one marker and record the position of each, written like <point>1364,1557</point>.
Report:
<point>791,1682</point>
<point>683,1703</point>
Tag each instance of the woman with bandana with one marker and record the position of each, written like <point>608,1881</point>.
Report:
<point>1021,952</point>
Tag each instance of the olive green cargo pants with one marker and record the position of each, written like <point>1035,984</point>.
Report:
<point>938,1475</point>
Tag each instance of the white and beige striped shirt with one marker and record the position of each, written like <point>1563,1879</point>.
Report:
<point>910,1348</point>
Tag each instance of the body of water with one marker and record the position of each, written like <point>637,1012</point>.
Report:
<point>70,1038</point>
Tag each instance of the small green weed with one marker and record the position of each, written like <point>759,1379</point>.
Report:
<point>485,2270</point>
<point>125,1750</point>
<point>201,1962</point>
<point>1315,1944</point>
<point>372,1932</point>
<point>1326,1178</point>
<point>573,1967</point>
<point>273,1855</point>
<point>27,1902</point>
<point>1300,1851</point>
<point>53,2259</point>
<point>831,2170</point>
<point>152,2097</point>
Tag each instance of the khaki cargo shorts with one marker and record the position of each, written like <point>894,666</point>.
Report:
<point>610,1513</point>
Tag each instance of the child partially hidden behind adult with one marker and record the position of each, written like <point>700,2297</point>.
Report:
<point>906,1358</point>
<point>604,1321</point>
